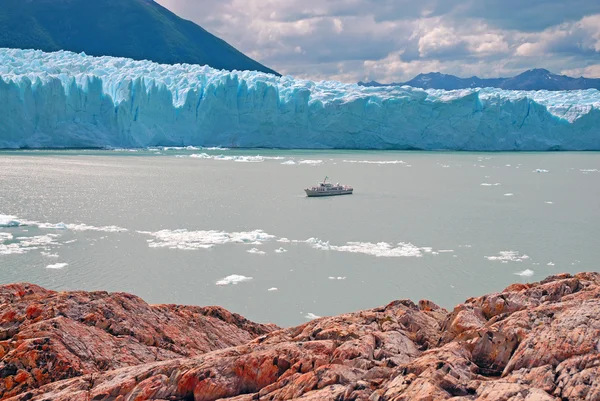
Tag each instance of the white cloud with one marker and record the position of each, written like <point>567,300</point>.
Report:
<point>591,71</point>
<point>393,40</point>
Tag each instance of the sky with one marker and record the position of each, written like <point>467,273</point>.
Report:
<point>394,40</point>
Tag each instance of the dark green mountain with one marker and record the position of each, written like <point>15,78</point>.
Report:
<point>137,29</point>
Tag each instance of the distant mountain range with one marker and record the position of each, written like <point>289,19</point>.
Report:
<point>536,79</point>
<point>137,29</point>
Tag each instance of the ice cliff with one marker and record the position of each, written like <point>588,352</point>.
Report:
<point>65,99</point>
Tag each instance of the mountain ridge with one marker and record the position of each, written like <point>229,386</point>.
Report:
<point>535,79</point>
<point>136,29</point>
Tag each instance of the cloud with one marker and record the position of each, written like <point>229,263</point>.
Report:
<point>393,40</point>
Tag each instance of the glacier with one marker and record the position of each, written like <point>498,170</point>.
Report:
<point>69,100</point>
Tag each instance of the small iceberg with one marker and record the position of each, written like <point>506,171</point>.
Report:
<point>233,279</point>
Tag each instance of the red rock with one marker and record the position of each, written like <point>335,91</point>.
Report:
<point>52,336</point>
<point>535,342</point>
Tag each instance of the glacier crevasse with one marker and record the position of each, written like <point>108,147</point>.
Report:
<point>65,99</point>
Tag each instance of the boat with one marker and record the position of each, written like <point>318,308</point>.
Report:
<point>328,189</point>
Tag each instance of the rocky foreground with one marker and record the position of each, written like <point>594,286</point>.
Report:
<point>533,342</point>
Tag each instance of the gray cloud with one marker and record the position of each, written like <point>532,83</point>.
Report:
<point>393,40</point>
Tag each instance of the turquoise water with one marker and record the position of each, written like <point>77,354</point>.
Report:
<point>168,226</point>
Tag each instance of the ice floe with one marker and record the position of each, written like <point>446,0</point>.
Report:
<point>380,249</point>
<point>256,251</point>
<point>57,266</point>
<point>311,316</point>
<point>80,227</point>
<point>289,162</point>
<point>273,289</point>
<point>336,278</point>
<point>8,221</point>
<point>233,279</point>
<point>508,256</point>
<point>280,250</point>
<point>21,245</point>
<point>190,240</point>
<point>235,158</point>
<point>540,170</point>
<point>525,273</point>
<point>375,161</point>
<point>5,237</point>
<point>313,162</point>
<point>485,184</point>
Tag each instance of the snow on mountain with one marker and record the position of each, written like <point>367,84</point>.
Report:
<point>65,99</point>
<point>536,79</point>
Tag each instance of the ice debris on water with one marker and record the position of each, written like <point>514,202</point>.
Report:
<point>525,273</point>
<point>190,240</point>
<point>508,256</point>
<point>57,266</point>
<point>256,251</point>
<point>233,279</point>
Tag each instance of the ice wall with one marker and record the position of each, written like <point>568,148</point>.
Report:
<point>65,99</point>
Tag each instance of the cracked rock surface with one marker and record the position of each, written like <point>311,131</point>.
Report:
<point>530,342</point>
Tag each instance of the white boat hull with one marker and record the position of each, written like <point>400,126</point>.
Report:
<point>314,194</point>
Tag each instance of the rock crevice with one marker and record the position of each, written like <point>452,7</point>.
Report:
<point>530,342</point>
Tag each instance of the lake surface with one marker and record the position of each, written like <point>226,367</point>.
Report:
<point>228,228</point>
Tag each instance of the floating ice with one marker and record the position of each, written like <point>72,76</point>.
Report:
<point>284,240</point>
<point>313,162</point>
<point>256,251</point>
<point>280,250</point>
<point>375,161</point>
<point>541,170</point>
<point>311,316</point>
<point>289,162</point>
<point>80,227</point>
<point>336,278</point>
<point>8,221</point>
<point>508,256</point>
<point>273,289</point>
<point>485,184</point>
<point>49,255</point>
<point>122,103</point>
<point>549,202</point>
<point>526,273</point>
<point>189,240</point>
<point>233,279</point>
<point>551,264</point>
<point>21,245</point>
<point>381,249</point>
<point>57,266</point>
<point>5,237</point>
<point>593,170</point>
<point>509,194</point>
<point>240,159</point>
